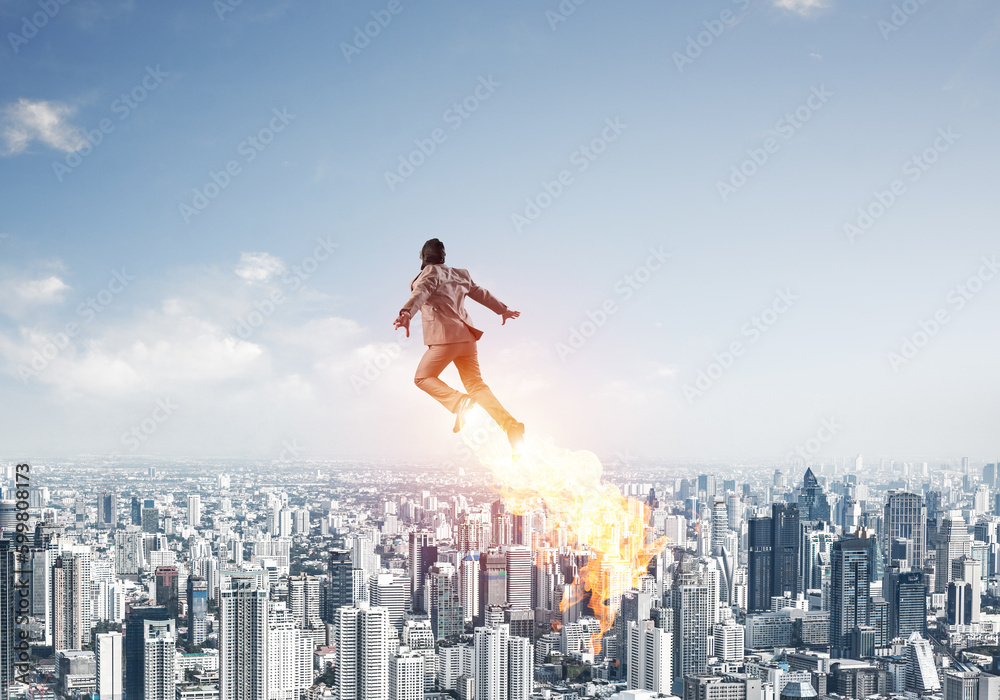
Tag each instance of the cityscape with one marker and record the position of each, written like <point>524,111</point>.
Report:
<point>208,580</point>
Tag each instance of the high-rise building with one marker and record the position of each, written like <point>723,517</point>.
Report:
<point>303,601</point>
<point>490,662</point>
<point>197,609</point>
<point>340,585</point>
<point>906,518</point>
<point>650,657</point>
<point>362,670</point>
<point>785,549</point>
<point>849,593</point>
<point>964,591</point>
<point>953,542</point>
<point>444,606</point>
<point>130,551</point>
<point>393,594</point>
<point>167,581</point>
<point>135,648</point>
<point>194,510</point>
<point>243,622</point>
<point>692,625</point>
<point>921,673</point>
<point>110,658</point>
<point>136,511</point>
<point>406,675</point>
<point>422,553</point>
<point>107,510</point>
<point>67,603</point>
<point>520,668</point>
<point>720,525</point>
<point>813,504</point>
<point>492,582</point>
<point>906,593</point>
<point>289,655</point>
<point>7,617</point>
<point>468,589</point>
<point>759,563</point>
<point>159,642</point>
<point>519,579</point>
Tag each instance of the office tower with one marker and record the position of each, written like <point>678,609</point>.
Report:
<point>166,588</point>
<point>151,519</point>
<point>921,674</point>
<point>7,617</point>
<point>817,539</point>
<point>849,593</point>
<point>340,585</point>
<point>813,504</point>
<point>906,518</point>
<point>720,526</point>
<point>107,510</point>
<point>692,624</point>
<point>303,601</point>
<point>491,659</point>
<point>197,609</point>
<point>876,565</point>
<point>243,622</point>
<point>675,529</point>
<point>734,512</point>
<point>445,609</point>
<point>363,636</point>
<point>194,510</point>
<point>289,655</point>
<point>650,657</point>
<point>159,642</point>
<point>391,593</point>
<point>906,593</point>
<point>970,685</point>
<point>492,581</point>
<point>519,577</point>
<point>759,562</point>
<point>706,484</point>
<point>422,553</point>
<point>135,649</point>
<point>406,676</point>
<point>67,603</point>
<point>785,549</point>
<point>520,668</point>
<point>136,511</point>
<point>635,606</point>
<point>964,591</point>
<point>468,590</point>
<point>110,659</point>
<point>953,542</point>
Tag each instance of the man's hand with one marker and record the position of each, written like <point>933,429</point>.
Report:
<point>402,321</point>
<point>509,314</point>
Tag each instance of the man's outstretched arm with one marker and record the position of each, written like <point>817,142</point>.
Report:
<point>422,287</point>
<point>484,297</point>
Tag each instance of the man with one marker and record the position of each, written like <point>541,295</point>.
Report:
<point>439,292</point>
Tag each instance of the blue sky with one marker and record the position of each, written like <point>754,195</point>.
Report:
<point>315,223</point>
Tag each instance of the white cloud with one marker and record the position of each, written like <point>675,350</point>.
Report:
<point>20,295</point>
<point>802,7</point>
<point>42,291</point>
<point>259,267</point>
<point>25,121</point>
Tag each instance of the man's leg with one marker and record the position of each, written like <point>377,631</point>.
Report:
<point>431,365</point>
<point>467,365</point>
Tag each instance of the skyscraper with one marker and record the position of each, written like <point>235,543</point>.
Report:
<point>906,593</point>
<point>289,655</point>
<point>393,594</point>
<point>340,586</point>
<point>303,600</point>
<point>67,603</point>
<point>109,654</point>
<point>692,625</point>
<point>492,581</point>
<point>167,581</point>
<point>519,577</point>
<point>243,636</point>
<point>785,549</point>
<point>444,607</point>
<point>194,510</point>
<point>953,542</point>
<point>135,648</point>
<point>906,518</point>
<point>650,657</point>
<point>107,510</point>
<point>490,660</point>
<point>422,553</point>
<point>197,609</point>
<point>362,669</point>
<point>813,504</point>
<point>759,562</point>
<point>159,642</point>
<point>720,525</point>
<point>849,593</point>
<point>520,668</point>
<point>406,676</point>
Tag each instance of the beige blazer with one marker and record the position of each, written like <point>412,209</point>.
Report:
<point>439,293</point>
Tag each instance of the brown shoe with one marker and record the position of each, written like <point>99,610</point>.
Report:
<point>464,404</point>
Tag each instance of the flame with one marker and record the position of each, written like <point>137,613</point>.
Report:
<point>598,521</point>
